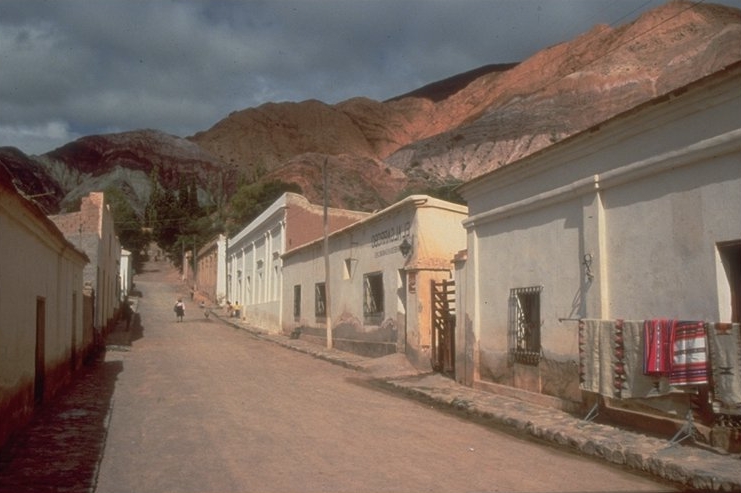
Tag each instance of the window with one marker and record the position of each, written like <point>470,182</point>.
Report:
<point>373,298</point>
<point>320,300</point>
<point>349,267</point>
<point>524,324</point>
<point>297,301</point>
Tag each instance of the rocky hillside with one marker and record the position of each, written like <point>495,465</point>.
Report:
<point>472,123</point>
<point>572,86</point>
<point>445,132</point>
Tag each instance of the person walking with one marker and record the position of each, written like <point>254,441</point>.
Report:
<point>179,310</point>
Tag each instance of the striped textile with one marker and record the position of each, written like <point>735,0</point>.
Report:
<point>636,384</point>
<point>657,349</point>
<point>689,354</point>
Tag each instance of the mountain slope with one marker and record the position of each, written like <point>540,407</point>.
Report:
<point>466,125</point>
<point>572,86</point>
<point>444,132</point>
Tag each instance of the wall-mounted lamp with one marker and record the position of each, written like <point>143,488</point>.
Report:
<point>406,247</point>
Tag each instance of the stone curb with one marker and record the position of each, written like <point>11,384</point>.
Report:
<point>686,467</point>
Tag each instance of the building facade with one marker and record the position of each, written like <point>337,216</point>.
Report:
<point>635,219</point>
<point>378,293</point>
<point>210,272</point>
<point>254,272</point>
<point>91,230</point>
<point>42,335</point>
<point>126,274</point>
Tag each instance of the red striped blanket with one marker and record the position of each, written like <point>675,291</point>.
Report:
<point>657,354</point>
<point>689,358</point>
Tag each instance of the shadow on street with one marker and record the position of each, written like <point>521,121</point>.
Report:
<point>61,447</point>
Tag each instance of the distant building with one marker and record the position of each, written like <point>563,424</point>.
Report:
<point>91,230</point>
<point>127,274</point>
<point>636,218</point>
<point>42,335</point>
<point>254,274</point>
<point>382,270</point>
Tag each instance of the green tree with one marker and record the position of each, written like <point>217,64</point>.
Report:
<point>128,225</point>
<point>251,200</point>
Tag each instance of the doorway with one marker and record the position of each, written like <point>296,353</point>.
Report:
<point>443,326</point>
<point>40,365</point>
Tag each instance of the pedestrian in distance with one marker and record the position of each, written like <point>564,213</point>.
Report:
<point>179,310</point>
<point>206,309</point>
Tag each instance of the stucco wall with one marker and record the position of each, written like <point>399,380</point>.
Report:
<point>38,271</point>
<point>372,247</point>
<point>662,251</point>
<point>92,231</point>
<point>621,221</point>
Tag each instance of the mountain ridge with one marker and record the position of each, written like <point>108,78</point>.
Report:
<point>443,133</point>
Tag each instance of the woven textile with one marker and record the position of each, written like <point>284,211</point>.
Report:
<point>635,383</point>
<point>611,360</point>
<point>657,341</point>
<point>596,372</point>
<point>689,354</point>
<point>724,340</point>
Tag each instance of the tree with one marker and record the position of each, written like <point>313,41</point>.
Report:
<point>251,200</point>
<point>128,225</point>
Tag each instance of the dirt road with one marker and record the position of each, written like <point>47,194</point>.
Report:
<point>202,407</point>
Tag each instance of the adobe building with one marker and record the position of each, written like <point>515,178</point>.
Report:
<point>254,273</point>
<point>633,220</point>
<point>91,230</point>
<point>42,335</point>
<point>381,271</point>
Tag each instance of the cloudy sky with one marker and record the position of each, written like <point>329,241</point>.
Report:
<point>70,68</point>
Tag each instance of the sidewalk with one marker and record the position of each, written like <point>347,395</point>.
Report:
<point>689,467</point>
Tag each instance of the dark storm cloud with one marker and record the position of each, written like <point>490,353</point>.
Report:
<point>74,67</point>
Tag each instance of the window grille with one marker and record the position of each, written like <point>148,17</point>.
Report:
<point>320,300</point>
<point>524,325</point>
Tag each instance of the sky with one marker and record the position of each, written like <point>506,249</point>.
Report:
<point>70,68</point>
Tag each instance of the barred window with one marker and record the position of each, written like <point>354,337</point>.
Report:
<point>320,300</point>
<point>524,324</point>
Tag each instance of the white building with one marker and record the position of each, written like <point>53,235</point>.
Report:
<point>126,274</point>
<point>381,271</point>
<point>254,277</point>
<point>636,218</point>
<point>91,230</point>
<point>42,336</point>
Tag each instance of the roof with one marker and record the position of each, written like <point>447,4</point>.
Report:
<point>8,188</point>
<point>415,201</point>
<point>282,203</point>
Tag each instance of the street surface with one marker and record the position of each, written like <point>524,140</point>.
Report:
<point>200,406</point>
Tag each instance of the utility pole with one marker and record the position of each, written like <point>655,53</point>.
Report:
<point>327,291</point>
